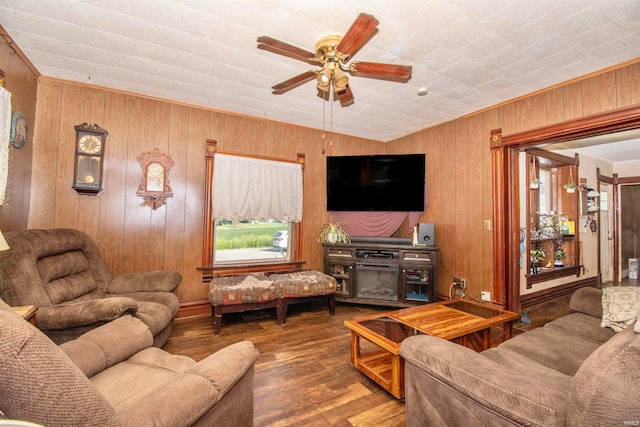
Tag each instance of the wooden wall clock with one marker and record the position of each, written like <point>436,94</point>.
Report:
<point>89,159</point>
<point>155,188</point>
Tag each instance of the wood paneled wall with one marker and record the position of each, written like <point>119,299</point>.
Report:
<point>22,82</point>
<point>459,164</point>
<point>132,236</point>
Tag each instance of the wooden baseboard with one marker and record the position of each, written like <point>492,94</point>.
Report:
<point>194,308</point>
<point>534,298</point>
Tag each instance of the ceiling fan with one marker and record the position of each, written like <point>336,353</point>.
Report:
<point>332,54</point>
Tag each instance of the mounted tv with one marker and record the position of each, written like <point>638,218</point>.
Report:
<point>376,183</point>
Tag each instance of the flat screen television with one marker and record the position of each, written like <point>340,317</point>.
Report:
<point>376,182</point>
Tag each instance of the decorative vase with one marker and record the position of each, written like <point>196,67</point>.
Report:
<point>332,238</point>
<point>558,263</point>
<point>534,268</point>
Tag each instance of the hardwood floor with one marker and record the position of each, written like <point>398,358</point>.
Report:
<point>304,376</point>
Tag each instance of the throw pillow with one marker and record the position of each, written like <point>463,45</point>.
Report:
<point>620,305</point>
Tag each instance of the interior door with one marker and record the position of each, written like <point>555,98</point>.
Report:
<point>606,235</point>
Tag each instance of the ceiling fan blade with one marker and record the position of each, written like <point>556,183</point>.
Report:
<point>286,49</point>
<point>374,69</point>
<point>346,97</point>
<point>360,32</point>
<point>296,81</point>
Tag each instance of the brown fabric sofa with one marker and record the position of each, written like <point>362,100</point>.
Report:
<point>570,372</point>
<point>113,376</point>
<point>62,272</point>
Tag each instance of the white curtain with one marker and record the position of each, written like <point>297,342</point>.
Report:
<point>5,130</point>
<point>249,188</point>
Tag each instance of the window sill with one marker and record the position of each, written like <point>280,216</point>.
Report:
<point>557,272</point>
<point>254,267</point>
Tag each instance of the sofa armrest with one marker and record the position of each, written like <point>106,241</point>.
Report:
<point>197,394</point>
<point>224,368</point>
<point>587,300</point>
<point>63,316</point>
<point>109,344</point>
<point>145,281</point>
<point>443,378</point>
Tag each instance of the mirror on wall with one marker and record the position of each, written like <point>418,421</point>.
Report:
<point>552,212</point>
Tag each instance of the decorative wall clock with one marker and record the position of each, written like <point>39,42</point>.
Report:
<point>19,130</point>
<point>89,159</point>
<point>155,188</point>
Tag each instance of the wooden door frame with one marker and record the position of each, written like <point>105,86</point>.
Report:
<point>505,186</point>
<point>615,182</point>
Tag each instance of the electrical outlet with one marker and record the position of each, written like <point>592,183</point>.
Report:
<point>485,296</point>
<point>460,283</point>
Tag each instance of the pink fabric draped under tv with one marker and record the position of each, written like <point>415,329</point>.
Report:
<point>376,224</point>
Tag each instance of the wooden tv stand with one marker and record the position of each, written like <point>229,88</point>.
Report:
<point>395,275</point>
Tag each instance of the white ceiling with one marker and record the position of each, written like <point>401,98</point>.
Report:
<point>617,147</point>
<point>470,54</point>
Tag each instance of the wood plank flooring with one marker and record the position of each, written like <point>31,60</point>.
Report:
<point>304,376</point>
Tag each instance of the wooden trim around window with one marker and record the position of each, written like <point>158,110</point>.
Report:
<point>209,225</point>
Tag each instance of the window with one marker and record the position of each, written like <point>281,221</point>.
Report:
<point>254,240</point>
<point>254,209</point>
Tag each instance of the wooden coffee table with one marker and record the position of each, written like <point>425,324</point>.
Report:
<point>462,321</point>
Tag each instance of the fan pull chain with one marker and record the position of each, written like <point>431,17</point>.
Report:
<point>324,108</point>
<point>331,102</point>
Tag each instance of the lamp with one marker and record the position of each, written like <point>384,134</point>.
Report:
<point>3,243</point>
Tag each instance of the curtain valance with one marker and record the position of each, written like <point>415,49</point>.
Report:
<point>251,188</point>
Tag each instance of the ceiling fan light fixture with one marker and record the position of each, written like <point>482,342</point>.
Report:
<point>324,79</point>
<point>340,80</point>
<point>332,53</point>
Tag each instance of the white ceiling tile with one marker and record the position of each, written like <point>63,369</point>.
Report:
<point>512,16</point>
<point>606,33</point>
<point>469,54</point>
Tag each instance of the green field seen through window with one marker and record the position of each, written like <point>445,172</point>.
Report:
<point>257,234</point>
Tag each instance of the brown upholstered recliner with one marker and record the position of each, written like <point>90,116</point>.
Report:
<point>62,272</point>
<point>113,376</point>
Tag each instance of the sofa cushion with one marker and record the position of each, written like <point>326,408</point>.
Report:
<point>103,347</point>
<point>620,306</point>
<point>242,289</point>
<point>556,380</point>
<point>155,309</point>
<point>605,391</point>
<point>582,325</point>
<point>66,276</point>
<point>587,300</point>
<point>127,381</point>
<point>304,283</point>
<point>552,348</point>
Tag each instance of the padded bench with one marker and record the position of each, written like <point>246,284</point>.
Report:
<point>256,291</point>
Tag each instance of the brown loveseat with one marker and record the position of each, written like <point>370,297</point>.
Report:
<point>113,376</point>
<point>570,372</point>
<point>62,272</point>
